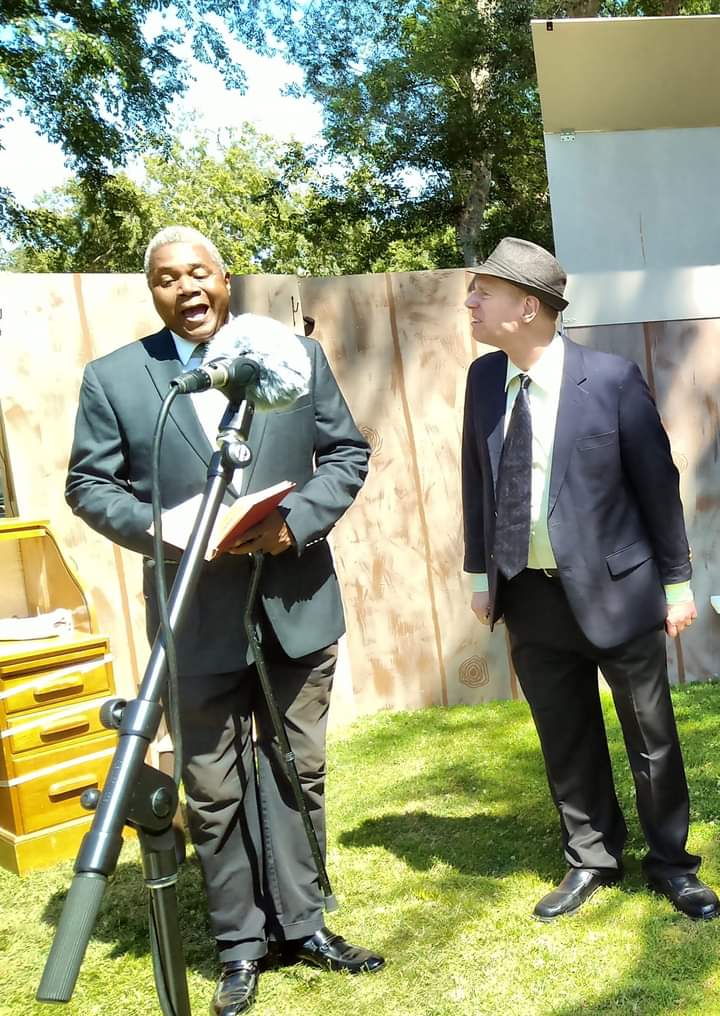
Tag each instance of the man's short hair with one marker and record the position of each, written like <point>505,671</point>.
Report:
<point>182,234</point>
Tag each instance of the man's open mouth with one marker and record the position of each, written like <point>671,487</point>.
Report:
<point>196,313</point>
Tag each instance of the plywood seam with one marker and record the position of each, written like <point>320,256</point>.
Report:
<point>120,564</point>
<point>415,469</point>
<point>88,351</point>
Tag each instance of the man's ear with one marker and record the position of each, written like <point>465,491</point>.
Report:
<point>531,308</point>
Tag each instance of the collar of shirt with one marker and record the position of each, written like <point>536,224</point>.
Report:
<point>546,372</point>
<point>185,348</point>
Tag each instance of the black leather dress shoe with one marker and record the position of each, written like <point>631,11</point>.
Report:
<point>324,949</point>
<point>236,990</point>
<point>688,895</point>
<point>575,889</point>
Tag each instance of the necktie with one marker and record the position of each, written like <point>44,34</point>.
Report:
<point>210,404</point>
<point>512,529</point>
<point>197,356</point>
<point>210,407</point>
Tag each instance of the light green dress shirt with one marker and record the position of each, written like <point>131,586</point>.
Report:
<point>544,396</point>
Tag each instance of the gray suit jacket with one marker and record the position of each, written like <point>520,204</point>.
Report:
<point>315,444</point>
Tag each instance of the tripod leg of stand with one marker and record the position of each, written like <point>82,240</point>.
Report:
<point>287,754</point>
<point>160,870</point>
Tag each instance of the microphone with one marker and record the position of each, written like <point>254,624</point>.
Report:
<point>255,358</point>
<point>222,372</point>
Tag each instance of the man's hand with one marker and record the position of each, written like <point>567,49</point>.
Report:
<point>271,536</point>
<point>480,606</point>
<point>679,616</point>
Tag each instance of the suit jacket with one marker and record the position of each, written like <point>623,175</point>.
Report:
<point>315,443</point>
<point>615,518</point>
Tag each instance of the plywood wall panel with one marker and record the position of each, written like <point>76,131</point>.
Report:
<point>686,367</point>
<point>377,546</point>
<point>400,348</point>
<point>275,295</point>
<point>52,325</point>
<point>436,349</point>
<point>625,340</point>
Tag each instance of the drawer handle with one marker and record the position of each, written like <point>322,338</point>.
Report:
<point>60,687</point>
<point>63,727</point>
<point>72,786</point>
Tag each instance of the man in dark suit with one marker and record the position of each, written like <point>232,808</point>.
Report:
<point>574,535</point>
<point>259,874</point>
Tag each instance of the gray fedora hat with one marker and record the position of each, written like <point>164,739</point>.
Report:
<point>529,266</point>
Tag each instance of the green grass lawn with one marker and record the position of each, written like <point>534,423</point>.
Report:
<point>442,838</point>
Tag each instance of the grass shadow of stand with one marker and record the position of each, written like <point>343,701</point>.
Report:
<point>123,917</point>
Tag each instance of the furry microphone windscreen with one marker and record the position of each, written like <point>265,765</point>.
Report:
<point>284,363</point>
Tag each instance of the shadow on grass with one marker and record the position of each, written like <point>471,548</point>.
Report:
<point>123,917</point>
<point>479,845</point>
<point>676,964</point>
<point>512,829</point>
<point>466,788</point>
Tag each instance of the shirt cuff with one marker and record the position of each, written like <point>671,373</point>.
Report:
<point>480,582</point>
<point>678,592</point>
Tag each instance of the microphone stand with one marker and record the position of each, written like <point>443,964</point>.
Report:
<point>287,756</point>
<point>138,795</point>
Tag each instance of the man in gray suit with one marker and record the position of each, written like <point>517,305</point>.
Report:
<point>260,879</point>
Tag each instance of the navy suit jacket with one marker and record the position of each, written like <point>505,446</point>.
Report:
<point>615,518</point>
<point>315,443</point>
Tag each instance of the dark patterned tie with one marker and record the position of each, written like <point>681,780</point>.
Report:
<point>197,356</point>
<point>514,488</point>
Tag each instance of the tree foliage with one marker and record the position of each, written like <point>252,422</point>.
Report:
<point>88,76</point>
<point>446,89</point>
<point>266,206</point>
<point>234,192</point>
<point>431,111</point>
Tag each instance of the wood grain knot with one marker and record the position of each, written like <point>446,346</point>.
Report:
<point>474,672</point>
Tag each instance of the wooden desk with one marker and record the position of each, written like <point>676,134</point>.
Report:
<point>52,745</point>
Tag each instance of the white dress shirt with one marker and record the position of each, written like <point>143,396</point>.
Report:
<point>209,405</point>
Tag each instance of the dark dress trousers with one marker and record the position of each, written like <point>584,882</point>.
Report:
<point>616,528</point>
<point>257,866</point>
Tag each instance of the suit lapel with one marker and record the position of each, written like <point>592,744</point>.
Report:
<point>255,440</point>
<point>493,413</point>
<point>571,408</point>
<point>163,365</point>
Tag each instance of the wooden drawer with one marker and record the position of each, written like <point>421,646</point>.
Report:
<point>35,730</point>
<point>34,656</point>
<point>87,678</point>
<point>47,786</point>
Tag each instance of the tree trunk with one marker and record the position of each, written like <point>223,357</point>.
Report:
<point>474,199</point>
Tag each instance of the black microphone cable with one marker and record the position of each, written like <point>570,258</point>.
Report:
<point>171,693</point>
<point>161,593</point>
